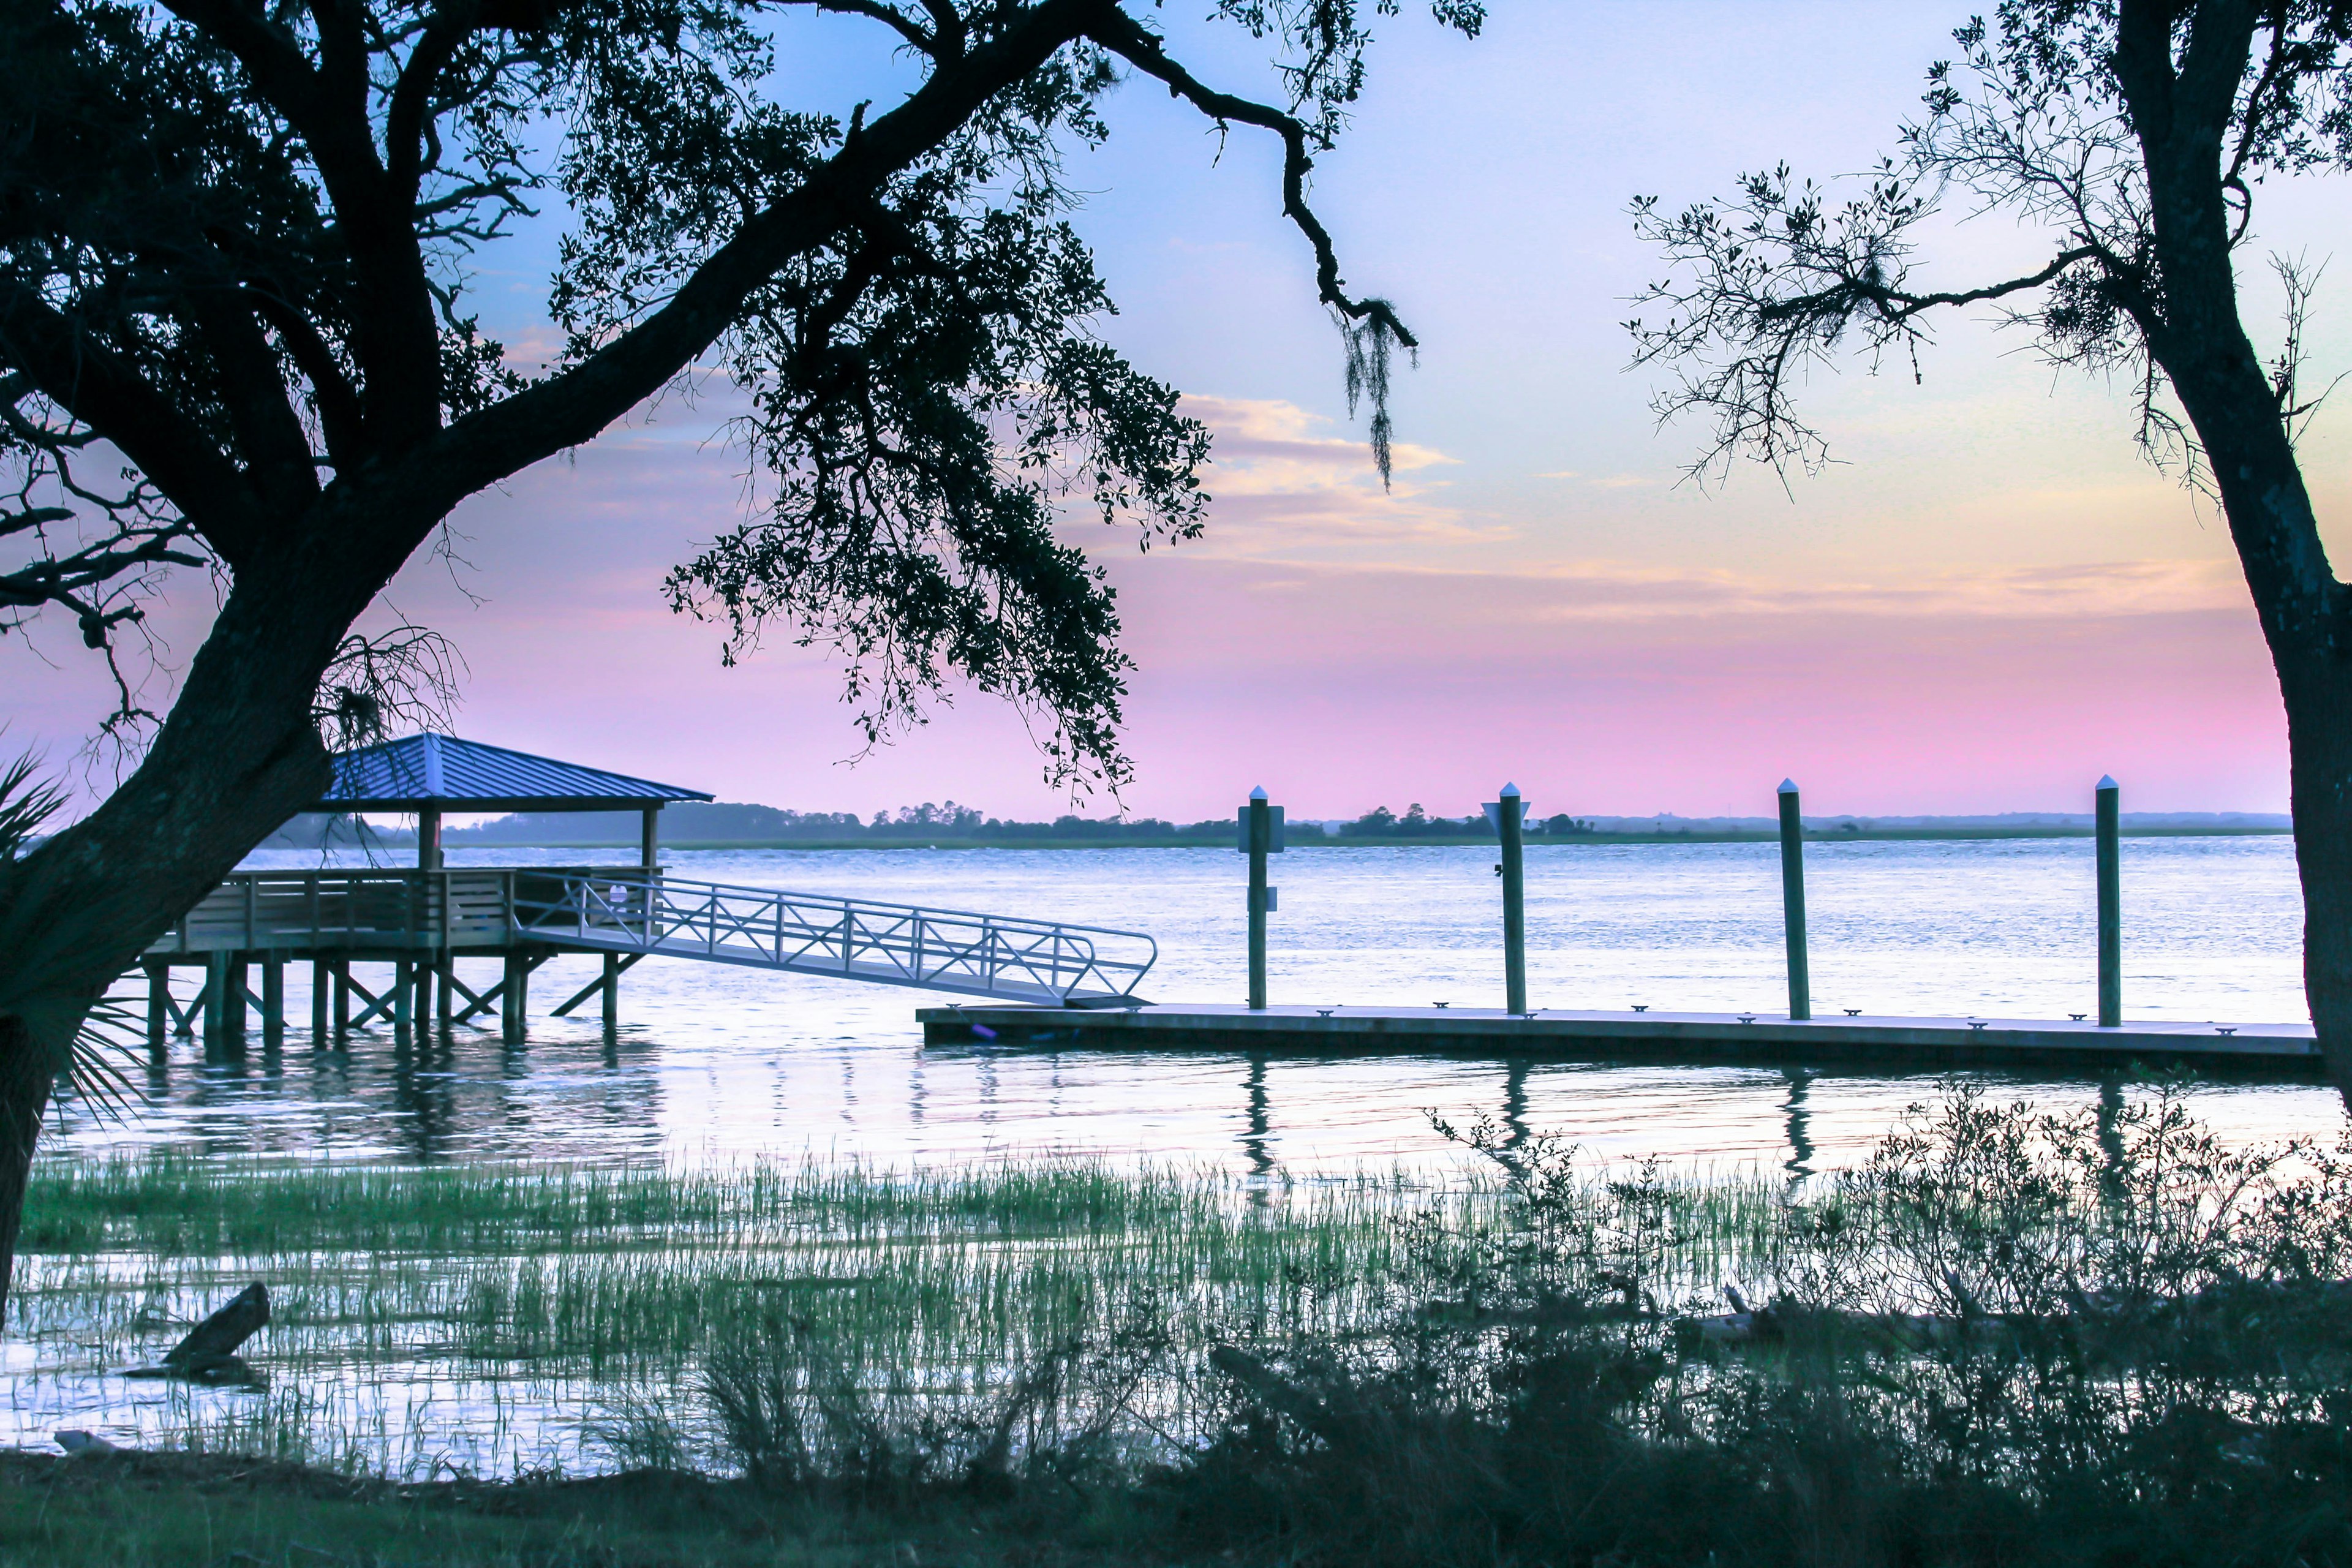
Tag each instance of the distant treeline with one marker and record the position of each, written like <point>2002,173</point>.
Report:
<point>699,822</point>
<point>695,822</point>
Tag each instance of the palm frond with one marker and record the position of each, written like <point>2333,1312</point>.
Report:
<point>108,1032</point>
<point>27,801</point>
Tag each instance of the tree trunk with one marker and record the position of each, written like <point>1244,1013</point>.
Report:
<point>239,755</point>
<point>25,1079</point>
<point>2318,694</point>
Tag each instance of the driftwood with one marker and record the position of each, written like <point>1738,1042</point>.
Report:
<point>211,1346</point>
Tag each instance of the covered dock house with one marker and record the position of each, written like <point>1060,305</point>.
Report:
<point>421,922</point>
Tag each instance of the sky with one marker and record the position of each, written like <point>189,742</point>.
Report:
<point>1987,602</point>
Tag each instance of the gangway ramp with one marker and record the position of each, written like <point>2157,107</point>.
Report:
<point>425,919</point>
<point>996,956</point>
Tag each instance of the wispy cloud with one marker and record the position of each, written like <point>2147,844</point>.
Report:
<point>1536,594</point>
<point>1281,483</point>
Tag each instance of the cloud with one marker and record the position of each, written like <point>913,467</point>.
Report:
<point>1609,591</point>
<point>1281,484</point>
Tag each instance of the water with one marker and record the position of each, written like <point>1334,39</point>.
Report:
<point>713,1064</point>
<point>714,1060</point>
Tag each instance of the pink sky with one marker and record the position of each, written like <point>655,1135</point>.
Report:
<point>1988,602</point>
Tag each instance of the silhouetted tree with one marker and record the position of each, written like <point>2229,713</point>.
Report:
<point>2137,134</point>
<point>236,337</point>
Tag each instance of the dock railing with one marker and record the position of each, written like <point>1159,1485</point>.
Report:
<point>390,912</point>
<point>817,933</point>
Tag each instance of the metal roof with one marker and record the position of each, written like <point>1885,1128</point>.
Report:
<point>443,771</point>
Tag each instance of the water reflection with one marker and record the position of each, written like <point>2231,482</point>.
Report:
<point>710,1061</point>
<point>1254,1145</point>
<point>1800,1162</point>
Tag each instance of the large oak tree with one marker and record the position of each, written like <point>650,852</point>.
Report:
<point>236,337</point>
<point>2138,135</point>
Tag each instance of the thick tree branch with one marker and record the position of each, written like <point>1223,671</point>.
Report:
<point>1896,305</point>
<point>396,342</point>
<point>889,16</point>
<point>277,451</point>
<point>1116,31</point>
<point>411,95</point>
<point>89,382</point>
<point>340,418</point>
<point>571,407</point>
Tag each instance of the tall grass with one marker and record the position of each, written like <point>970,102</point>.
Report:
<point>2002,1328</point>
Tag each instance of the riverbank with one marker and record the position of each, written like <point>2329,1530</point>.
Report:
<point>195,1510</point>
<point>2048,1339</point>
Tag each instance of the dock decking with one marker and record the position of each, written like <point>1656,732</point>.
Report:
<point>2282,1050</point>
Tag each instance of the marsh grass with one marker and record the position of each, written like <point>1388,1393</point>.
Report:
<point>2005,1333</point>
<point>497,1318</point>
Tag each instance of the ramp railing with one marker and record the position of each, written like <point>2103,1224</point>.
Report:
<point>852,938</point>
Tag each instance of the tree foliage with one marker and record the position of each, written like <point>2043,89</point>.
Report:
<point>239,330</point>
<point>2057,113</point>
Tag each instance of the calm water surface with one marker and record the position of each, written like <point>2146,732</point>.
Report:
<point>714,1060</point>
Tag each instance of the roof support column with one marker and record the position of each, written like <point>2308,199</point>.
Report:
<point>650,842</point>
<point>428,838</point>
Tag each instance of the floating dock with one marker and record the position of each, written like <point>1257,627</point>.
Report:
<point>2264,1050</point>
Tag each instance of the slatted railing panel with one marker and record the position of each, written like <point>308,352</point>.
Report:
<point>889,944</point>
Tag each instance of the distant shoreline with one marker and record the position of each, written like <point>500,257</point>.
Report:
<point>1301,841</point>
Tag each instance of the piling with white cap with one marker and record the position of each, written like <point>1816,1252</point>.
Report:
<point>1792,900</point>
<point>1509,826</point>
<point>2110,917</point>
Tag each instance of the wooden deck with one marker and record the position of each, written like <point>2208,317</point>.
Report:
<point>2263,1050</point>
<point>422,923</point>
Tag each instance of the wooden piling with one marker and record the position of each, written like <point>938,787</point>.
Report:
<point>273,996</point>
<point>403,991</point>
<point>240,983</point>
<point>1792,901</point>
<point>612,990</point>
<point>159,1003</point>
<point>1261,840</point>
<point>323,983</point>
<point>2111,902</point>
<point>510,998</point>
<point>1509,826</point>
<point>343,998</point>
<point>217,970</point>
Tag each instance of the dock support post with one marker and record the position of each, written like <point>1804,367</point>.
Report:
<point>2111,906</point>
<point>1509,822</point>
<point>159,1003</point>
<point>512,1001</point>
<point>1261,839</point>
<point>343,998</point>
<point>323,983</point>
<point>273,996</point>
<point>612,990</point>
<point>1792,901</point>
<point>240,980</point>
<point>217,970</point>
<point>422,980</point>
<point>403,979</point>
<point>448,968</point>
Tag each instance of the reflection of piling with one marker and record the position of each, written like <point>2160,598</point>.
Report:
<point>2111,906</point>
<point>1509,826</point>
<point>1792,900</point>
